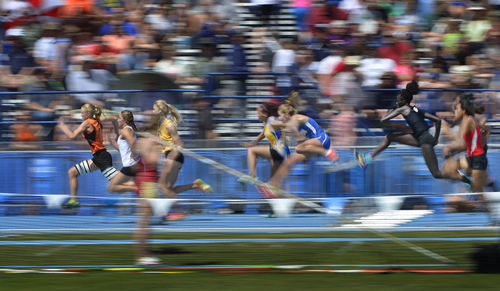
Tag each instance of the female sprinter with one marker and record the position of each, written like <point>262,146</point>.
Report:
<point>91,130</point>
<point>470,132</point>
<point>168,118</point>
<point>315,142</point>
<point>273,130</point>
<point>126,145</point>
<point>146,180</point>
<point>420,137</point>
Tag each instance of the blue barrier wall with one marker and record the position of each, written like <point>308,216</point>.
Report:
<point>396,171</point>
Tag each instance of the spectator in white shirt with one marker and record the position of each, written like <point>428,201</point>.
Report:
<point>373,67</point>
<point>282,62</point>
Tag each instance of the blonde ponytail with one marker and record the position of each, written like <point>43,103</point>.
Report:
<point>95,110</point>
<point>167,109</point>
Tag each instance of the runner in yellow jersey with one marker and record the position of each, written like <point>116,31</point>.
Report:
<point>168,118</point>
<point>273,130</point>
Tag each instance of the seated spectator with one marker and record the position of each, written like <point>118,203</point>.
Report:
<point>42,106</point>
<point>404,70</point>
<point>394,46</point>
<point>89,78</point>
<point>134,59</point>
<point>117,41</point>
<point>169,66</point>
<point>386,99</point>
<point>282,62</point>
<point>158,21</point>
<point>373,67</point>
<point>205,120</point>
<point>43,48</point>
<point>321,16</point>
<point>24,132</point>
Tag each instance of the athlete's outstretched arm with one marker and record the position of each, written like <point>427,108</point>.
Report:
<point>391,114</point>
<point>114,121</point>
<point>72,134</point>
<point>253,142</point>
<point>437,124</point>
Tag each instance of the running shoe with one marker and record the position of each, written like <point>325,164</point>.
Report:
<point>175,216</point>
<point>363,160</point>
<point>247,179</point>
<point>72,204</point>
<point>202,186</point>
<point>265,191</point>
<point>333,155</point>
<point>149,261</point>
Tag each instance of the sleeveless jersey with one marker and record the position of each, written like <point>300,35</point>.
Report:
<point>94,138</point>
<point>165,135</point>
<point>278,139</point>
<point>126,150</point>
<point>416,121</point>
<point>311,129</point>
<point>474,142</point>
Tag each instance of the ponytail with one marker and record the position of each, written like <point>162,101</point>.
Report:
<point>412,88</point>
<point>129,119</point>
<point>293,103</point>
<point>167,109</point>
<point>95,110</point>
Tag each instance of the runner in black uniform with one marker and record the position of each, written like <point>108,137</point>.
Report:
<point>420,137</point>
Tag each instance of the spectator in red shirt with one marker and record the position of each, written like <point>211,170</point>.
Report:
<point>394,47</point>
<point>321,16</point>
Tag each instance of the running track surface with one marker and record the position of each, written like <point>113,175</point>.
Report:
<point>250,223</point>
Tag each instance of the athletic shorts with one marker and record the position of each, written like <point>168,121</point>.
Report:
<point>146,176</point>
<point>478,162</point>
<point>426,138</point>
<point>103,160</point>
<point>132,171</point>
<point>324,139</point>
<point>275,155</point>
<point>180,157</point>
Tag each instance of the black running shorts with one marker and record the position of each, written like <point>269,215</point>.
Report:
<point>478,162</point>
<point>103,160</point>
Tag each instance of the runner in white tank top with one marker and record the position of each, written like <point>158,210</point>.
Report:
<point>126,145</point>
<point>128,158</point>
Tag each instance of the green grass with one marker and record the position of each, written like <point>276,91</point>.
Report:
<point>243,253</point>
<point>251,282</point>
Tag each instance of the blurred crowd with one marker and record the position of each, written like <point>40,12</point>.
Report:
<point>335,54</point>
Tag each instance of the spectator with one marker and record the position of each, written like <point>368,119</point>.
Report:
<point>169,66</point>
<point>301,9</point>
<point>404,70</point>
<point>205,120</point>
<point>386,99</point>
<point>265,9</point>
<point>238,60</point>
<point>322,15</point>
<point>394,46</point>
<point>282,63</point>
<point>89,78</point>
<point>134,59</point>
<point>116,41</point>
<point>25,133</point>
<point>475,30</point>
<point>373,67</point>
<point>44,46</point>
<point>158,21</point>
<point>326,69</point>
<point>207,62</point>
<point>42,106</point>
<point>350,85</point>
